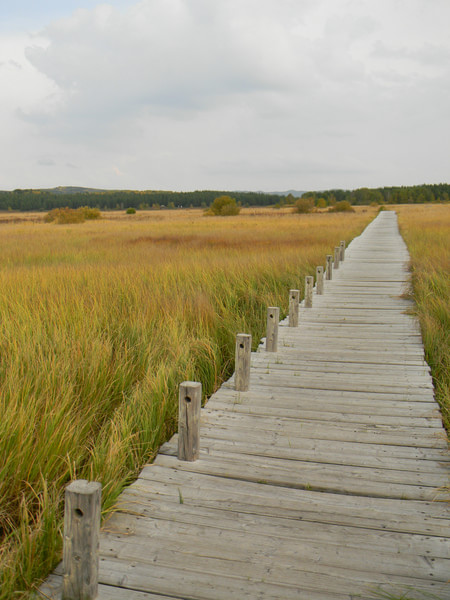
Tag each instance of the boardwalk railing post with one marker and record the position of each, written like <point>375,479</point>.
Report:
<point>329,267</point>
<point>273,318</point>
<point>337,253</point>
<point>190,403</point>
<point>81,540</point>
<point>342,246</point>
<point>319,280</point>
<point>309,283</point>
<point>294,301</point>
<point>242,361</point>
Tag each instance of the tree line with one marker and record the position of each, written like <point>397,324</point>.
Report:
<point>385,195</point>
<point>46,200</point>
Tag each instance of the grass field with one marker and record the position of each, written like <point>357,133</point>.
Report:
<point>426,230</point>
<point>101,321</point>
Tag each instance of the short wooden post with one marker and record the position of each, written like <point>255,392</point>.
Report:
<point>337,253</point>
<point>319,280</point>
<point>309,282</point>
<point>329,267</point>
<point>189,405</point>
<point>294,301</point>
<point>242,361</point>
<point>273,318</point>
<point>81,540</point>
<point>342,246</point>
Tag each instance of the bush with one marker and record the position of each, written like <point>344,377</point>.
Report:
<point>72,215</point>
<point>63,216</point>
<point>304,205</point>
<point>90,214</point>
<point>342,206</point>
<point>321,203</point>
<point>131,211</point>
<point>224,206</point>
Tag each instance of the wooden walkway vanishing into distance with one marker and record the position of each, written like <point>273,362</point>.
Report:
<point>322,482</point>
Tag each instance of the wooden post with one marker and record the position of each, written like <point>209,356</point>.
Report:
<point>337,253</point>
<point>294,300</point>
<point>319,280</point>
<point>273,318</point>
<point>329,267</point>
<point>242,362</point>
<point>342,246</point>
<point>309,282</point>
<point>189,405</point>
<point>81,540</point>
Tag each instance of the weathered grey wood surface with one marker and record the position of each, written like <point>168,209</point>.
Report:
<point>322,482</point>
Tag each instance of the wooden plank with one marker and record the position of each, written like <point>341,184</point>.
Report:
<point>322,402</point>
<point>392,435</point>
<point>384,514</point>
<point>214,441</point>
<point>164,539</point>
<point>321,412</point>
<point>336,479</point>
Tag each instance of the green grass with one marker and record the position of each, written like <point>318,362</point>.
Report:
<point>426,230</point>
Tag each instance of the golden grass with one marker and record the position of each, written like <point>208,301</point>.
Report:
<point>426,230</point>
<point>100,322</point>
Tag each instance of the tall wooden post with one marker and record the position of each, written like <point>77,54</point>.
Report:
<point>273,318</point>
<point>337,253</point>
<point>319,280</point>
<point>294,300</point>
<point>81,540</point>
<point>342,246</point>
<point>309,283</point>
<point>242,361</point>
<point>189,405</point>
<point>329,267</point>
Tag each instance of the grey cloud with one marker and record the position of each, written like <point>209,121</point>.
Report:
<point>169,90</point>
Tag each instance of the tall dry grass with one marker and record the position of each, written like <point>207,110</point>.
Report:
<point>426,230</point>
<point>100,322</point>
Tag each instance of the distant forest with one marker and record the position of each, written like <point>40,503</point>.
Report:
<point>45,200</point>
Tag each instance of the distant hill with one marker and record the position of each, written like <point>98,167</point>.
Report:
<point>295,193</point>
<point>73,189</point>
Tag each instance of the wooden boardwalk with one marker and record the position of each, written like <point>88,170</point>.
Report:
<point>321,482</point>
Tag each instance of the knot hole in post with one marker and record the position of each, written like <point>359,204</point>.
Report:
<point>241,345</point>
<point>79,512</point>
<point>187,399</point>
<point>271,316</point>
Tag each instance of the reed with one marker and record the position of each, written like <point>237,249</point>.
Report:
<point>99,324</point>
<point>426,230</point>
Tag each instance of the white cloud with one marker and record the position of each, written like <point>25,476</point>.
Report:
<point>180,93</point>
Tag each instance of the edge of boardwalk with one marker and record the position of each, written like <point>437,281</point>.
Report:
<point>321,481</point>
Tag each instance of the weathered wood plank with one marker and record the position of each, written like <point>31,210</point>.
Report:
<point>302,475</point>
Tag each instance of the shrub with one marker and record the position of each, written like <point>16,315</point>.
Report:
<point>131,211</point>
<point>63,216</point>
<point>342,206</point>
<point>224,206</point>
<point>72,215</point>
<point>90,214</point>
<point>304,205</point>
<point>321,203</point>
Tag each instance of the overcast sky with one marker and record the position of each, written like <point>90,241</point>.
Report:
<point>224,94</point>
